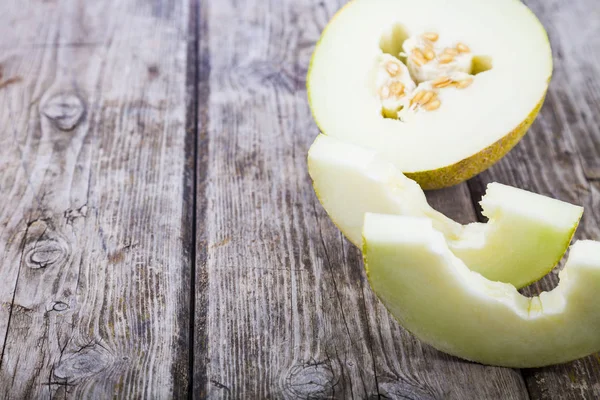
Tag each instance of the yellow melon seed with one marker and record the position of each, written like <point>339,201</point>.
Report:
<point>417,97</point>
<point>418,55</point>
<point>427,97</point>
<point>433,105</point>
<point>452,52</point>
<point>445,58</point>
<point>464,83</point>
<point>429,54</point>
<point>418,61</point>
<point>441,82</point>
<point>392,68</point>
<point>462,48</point>
<point>397,88</point>
<point>431,36</point>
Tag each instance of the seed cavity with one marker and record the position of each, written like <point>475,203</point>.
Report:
<point>432,65</point>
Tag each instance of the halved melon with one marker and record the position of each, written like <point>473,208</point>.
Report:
<point>436,297</point>
<point>526,236</point>
<point>443,89</point>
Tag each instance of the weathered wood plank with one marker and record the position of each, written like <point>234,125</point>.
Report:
<point>575,35</point>
<point>557,157</point>
<point>289,313</point>
<point>94,248</point>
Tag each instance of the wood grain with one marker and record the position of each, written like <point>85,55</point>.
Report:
<point>94,252</point>
<point>289,313</point>
<point>121,121</point>
<point>559,158</point>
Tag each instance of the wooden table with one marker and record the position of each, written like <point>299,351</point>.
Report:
<point>159,235</point>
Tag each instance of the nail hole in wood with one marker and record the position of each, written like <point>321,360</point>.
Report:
<point>60,306</point>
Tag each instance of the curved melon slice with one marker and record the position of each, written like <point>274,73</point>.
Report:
<point>436,297</point>
<point>441,88</point>
<point>526,236</point>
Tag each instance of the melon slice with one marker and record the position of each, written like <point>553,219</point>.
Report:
<point>436,297</point>
<point>443,89</point>
<point>526,236</point>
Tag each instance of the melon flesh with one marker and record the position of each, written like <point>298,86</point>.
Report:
<point>510,61</point>
<point>526,236</point>
<point>437,298</point>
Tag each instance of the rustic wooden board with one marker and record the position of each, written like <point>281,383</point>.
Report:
<point>283,297</point>
<point>559,158</point>
<point>95,200</point>
<point>100,103</point>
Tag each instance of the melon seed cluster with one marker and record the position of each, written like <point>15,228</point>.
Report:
<point>394,83</point>
<point>430,64</point>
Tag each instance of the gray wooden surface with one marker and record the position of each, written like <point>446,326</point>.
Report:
<point>95,200</point>
<point>159,236</point>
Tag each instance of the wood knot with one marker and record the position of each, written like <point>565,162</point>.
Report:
<point>397,389</point>
<point>64,110</point>
<point>310,380</point>
<point>44,247</point>
<point>85,362</point>
<point>46,253</point>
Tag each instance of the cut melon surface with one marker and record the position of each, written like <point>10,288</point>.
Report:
<point>436,297</point>
<point>443,89</point>
<point>525,237</point>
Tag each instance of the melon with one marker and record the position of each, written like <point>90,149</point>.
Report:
<point>442,89</point>
<point>525,237</point>
<point>433,294</point>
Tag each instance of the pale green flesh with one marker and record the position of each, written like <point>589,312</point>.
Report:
<point>343,93</point>
<point>436,297</point>
<point>526,235</point>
